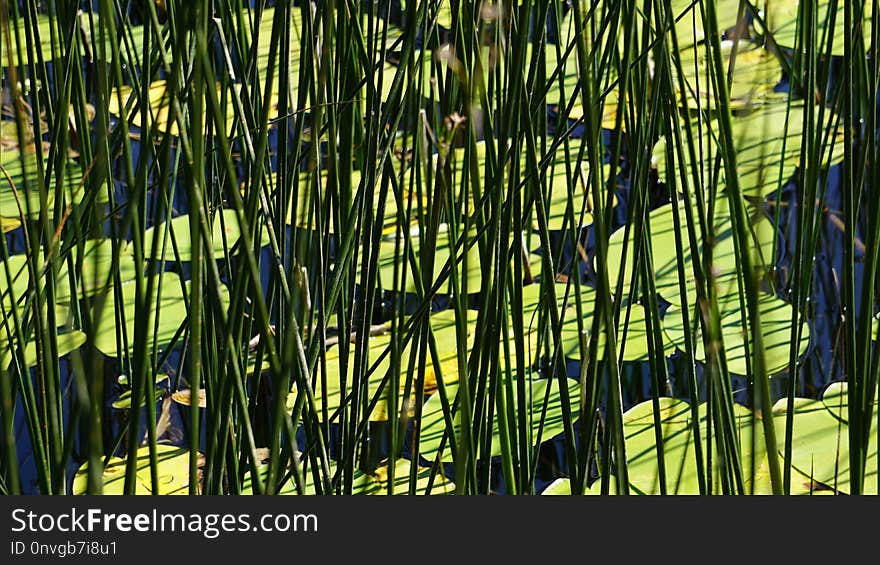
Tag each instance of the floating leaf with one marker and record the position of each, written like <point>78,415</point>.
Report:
<point>432,67</point>
<point>124,400</point>
<point>567,70</point>
<point>434,426</point>
<point>688,23</point>
<point>93,273</point>
<point>184,397</point>
<point>314,185</point>
<point>20,185</point>
<point>377,482</point>
<point>776,328</point>
<point>172,467</point>
<point>820,448</point>
<point>782,22</point>
<point>688,17</point>
<point>632,332</point>
<point>9,224</point>
<point>565,179</point>
<point>443,326</point>
<point>66,342</point>
<point>755,74</point>
<point>178,244</point>
<point>167,303</point>
<point>767,143</point>
<point>391,257</point>
<point>562,487</point>
<point>666,260</point>
<point>159,109</point>
<point>679,450</point>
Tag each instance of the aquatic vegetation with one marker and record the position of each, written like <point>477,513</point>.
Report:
<point>445,247</point>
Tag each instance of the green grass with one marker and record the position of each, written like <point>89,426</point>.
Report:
<point>364,241</point>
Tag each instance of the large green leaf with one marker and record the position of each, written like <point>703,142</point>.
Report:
<point>767,143</point>
<point>176,244</point>
<point>679,450</point>
<point>21,169</point>
<point>667,261</point>
<point>123,402</point>
<point>93,274</point>
<point>756,72</point>
<point>561,178</point>
<point>782,22</point>
<point>375,483</point>
<point>776,328</point>
<point>632,331</point>
<point>820,448</point>
<point>66,342</point>
<point>391,258</point>
<point>378,483</point>
<point>562,487</point>
<point>289,486</point>
<point>159,108</point>
<point>315,185</point>
<point>443,327</point>
<point>167,313</point>
<point>434,426</point>
<point>686,17</point>
<point>172,467</point>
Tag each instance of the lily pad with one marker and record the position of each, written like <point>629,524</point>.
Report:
<point>21,168</point>
<point>767,145</point>
<point>97,257</point>
<point>301,213</point>
<point>434,426</point>
<point>67,342</point>
<point>159,106</point>
<point>9,224</point>
<point>666,259</point>
<point>632,332</point>
<point>172,465</point>
<point>94,275</point>
<point>167,303</point>
<point>377,482</point>
<point>782,22</point>
<point>289,486</point>
<point>756,73</point>
<point>689,20</point>
<point>777,332</point>
<point>431,67</point>
<point>562,487</point>
<point>443,326</point>
<point>391,257</point>
<point>225,234</point>
<point>184,397</point>
<point>569,73</point>
<point>125,398</point>
<point>679,449</point>
<point>564,179</point>
<point>820,449</point>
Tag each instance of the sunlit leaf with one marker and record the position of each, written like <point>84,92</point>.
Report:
<point>172,468</point>
<point>176,244</point>
<point>434,426</point>
<point>666,259</point>
<point>820,446</point>
<point>776,329</point>
<point>782,22</point>
<point>767,143</point>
